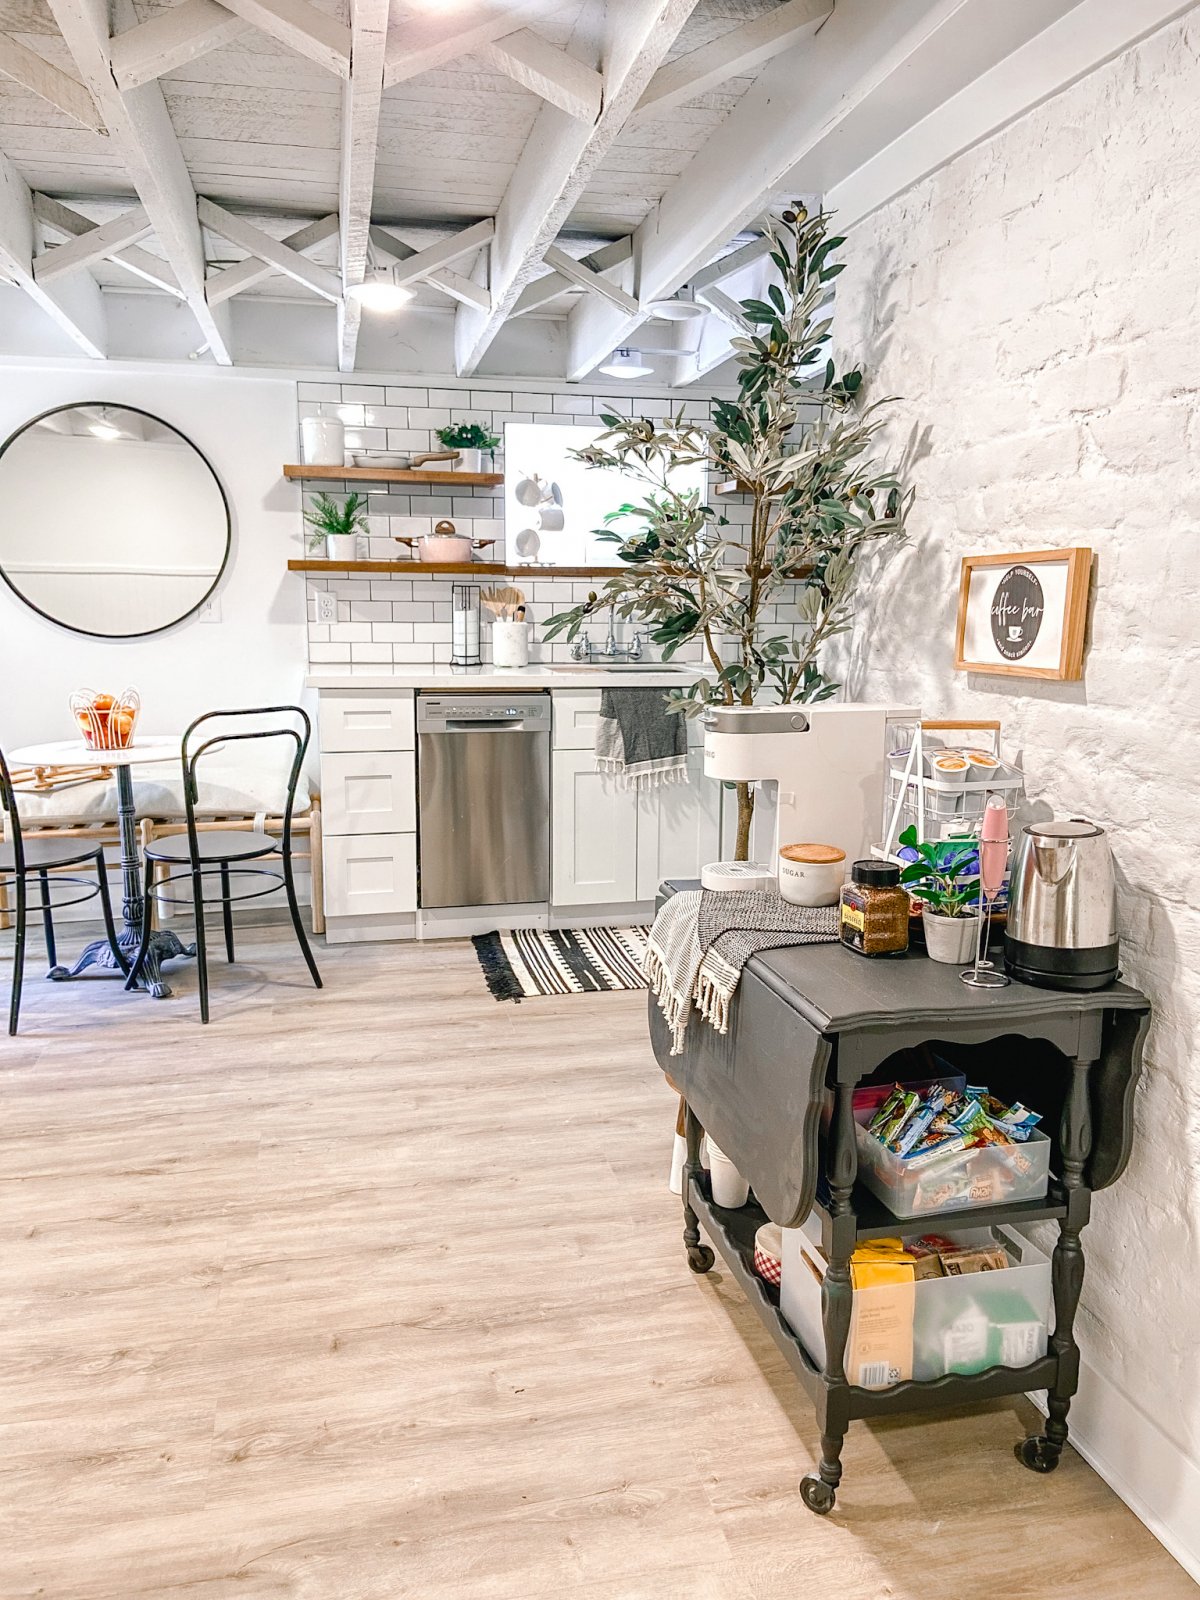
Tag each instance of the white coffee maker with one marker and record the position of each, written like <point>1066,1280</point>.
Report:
<point>827,763</point>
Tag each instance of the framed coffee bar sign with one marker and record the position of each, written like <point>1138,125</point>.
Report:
<point>1024,614</point>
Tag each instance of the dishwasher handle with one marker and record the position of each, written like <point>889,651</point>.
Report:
<point>479,725</point>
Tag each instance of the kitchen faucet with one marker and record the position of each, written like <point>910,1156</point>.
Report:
<point>581,650</point>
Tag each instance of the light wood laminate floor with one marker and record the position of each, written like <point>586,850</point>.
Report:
<point>379,1292</point>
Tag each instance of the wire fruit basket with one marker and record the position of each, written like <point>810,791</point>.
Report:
<point>106,721</point>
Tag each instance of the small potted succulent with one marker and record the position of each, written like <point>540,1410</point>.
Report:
<point>337,525</point>
<point>470,439</point>
<point>932,874</point>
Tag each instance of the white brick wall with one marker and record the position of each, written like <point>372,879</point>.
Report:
<point>1037,305</point>
<point>385,619</point>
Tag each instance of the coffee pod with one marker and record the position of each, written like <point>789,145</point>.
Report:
<point>949,767</point>
<point>984,767</point>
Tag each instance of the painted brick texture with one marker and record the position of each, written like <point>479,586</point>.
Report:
<point>1036,304</point>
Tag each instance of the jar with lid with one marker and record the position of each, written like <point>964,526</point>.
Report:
<point>874,910</point>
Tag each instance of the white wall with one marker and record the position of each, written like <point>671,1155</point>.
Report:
<point>1036,303</point>
<point>246,426</point>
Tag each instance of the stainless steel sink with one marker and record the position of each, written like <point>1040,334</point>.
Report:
<point>623,666</point>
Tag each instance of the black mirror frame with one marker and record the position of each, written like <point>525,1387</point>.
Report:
<point>146,633</point>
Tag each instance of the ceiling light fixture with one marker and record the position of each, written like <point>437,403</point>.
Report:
<point>626,363</point>
<point>379,291</point>
<point>675,308</point>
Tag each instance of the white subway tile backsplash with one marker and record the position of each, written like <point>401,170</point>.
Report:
<point>350,632</point>
<point>371,652</point>
<point>367,393</point>
<point>404,395</point>
<point>318,653</point>
<point>370,611</point>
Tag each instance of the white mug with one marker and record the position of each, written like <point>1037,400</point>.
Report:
<point>510,644</point>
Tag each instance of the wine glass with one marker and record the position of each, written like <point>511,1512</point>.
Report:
<point>993,859</point>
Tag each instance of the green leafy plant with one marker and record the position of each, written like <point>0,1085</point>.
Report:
<point>933,877</point>
<point>800,444</point>
<point>329,517</point>
<point>467,436</point>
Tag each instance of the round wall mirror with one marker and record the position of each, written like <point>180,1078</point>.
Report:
<point>112,523</point>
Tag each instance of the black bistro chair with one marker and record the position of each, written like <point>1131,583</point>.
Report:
<point>226,853</point>
<point>21,860</point>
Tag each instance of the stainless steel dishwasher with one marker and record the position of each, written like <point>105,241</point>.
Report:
<point>484,784</point>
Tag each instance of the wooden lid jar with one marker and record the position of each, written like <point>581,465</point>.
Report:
<point>811,874</point>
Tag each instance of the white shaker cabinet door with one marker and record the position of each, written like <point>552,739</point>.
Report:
<point>370,874</point>
<point>594,825</point>
<point>679,828</point>
<point>369,792</point>
<point>356,720</point>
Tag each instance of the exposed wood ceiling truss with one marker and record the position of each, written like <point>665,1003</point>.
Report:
<point>576,159</point>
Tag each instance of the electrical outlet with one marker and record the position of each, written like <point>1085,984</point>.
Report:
<point>326,606</point>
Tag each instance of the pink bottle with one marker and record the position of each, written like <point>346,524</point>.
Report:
<point>993,859</point>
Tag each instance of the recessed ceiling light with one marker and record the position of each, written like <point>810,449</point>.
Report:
<point>625,363</point>
<point>675,309</point>
<point>379,291</point>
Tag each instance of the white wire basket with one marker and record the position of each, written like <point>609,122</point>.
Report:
<point>941,799</point>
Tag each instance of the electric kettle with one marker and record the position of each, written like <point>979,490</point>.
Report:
<point>1062,916</point>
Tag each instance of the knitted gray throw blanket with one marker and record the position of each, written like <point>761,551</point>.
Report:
<point>700,942</point>
<point>639,740</point>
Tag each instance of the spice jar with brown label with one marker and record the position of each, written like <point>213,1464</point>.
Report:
<point>874,910</point>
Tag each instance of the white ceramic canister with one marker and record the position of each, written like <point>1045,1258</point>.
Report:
<point>811,874</point>
<point>323,440</point>
<point>729,1188</point>
<point>510,643</point>
<point>469,461</point>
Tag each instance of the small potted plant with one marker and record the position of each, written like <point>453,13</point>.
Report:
<point>949,907</point>
<point>337,525</point>
<point>470,439</point>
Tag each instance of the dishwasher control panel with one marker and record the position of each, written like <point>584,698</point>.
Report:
<point>442,711</point>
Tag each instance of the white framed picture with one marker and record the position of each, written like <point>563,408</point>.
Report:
<point>553,504</point>
<point>1025,614</point>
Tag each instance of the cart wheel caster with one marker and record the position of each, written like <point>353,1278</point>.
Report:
<point>1038,1454</point>
<point>817,1495</point>
<point>700,1257</point>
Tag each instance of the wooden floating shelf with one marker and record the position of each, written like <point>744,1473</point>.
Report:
<point>464,480</point>
<point>477,569</point>
<point>732,486</point>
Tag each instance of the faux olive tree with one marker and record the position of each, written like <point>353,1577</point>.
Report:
<point>801,446</point>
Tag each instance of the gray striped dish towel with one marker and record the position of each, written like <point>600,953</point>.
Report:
<point>639,740</point>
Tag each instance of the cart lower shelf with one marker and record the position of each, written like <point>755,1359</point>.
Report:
<point>732,1234</point>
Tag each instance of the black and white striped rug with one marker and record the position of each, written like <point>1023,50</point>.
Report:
<point>521,962</point>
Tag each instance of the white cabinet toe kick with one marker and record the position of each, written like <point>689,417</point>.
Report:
<point>610,847</point>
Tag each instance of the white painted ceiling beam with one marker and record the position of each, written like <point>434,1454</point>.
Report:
<point>576,272</point>
<point>734,261</point>
<point>279,256</point>
<point>75,306</point>
<point>816,112</point>
<point>550,73</point>
<point>101,240</point>
<point>362,97</point>
<point>736,54</point>
<point>49,83</point>
<point>445,252</point>
<point>145,141</point>
<point>421,44</point>
<point>171,39</point>
<point>302,28</point>
<point>448,283</point>
<point>73,225</point>
<point>562,153</point>
<point>246,274</point>
<point>548,287</point>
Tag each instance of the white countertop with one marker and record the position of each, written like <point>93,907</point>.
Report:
<point>540,675</point>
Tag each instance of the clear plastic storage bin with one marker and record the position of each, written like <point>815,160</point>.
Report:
<point>995,1175</point>
<point>959,1324</point>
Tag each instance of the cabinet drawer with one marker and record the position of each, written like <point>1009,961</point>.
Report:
<point>370,874</point>
<point>374,792</point>
<point>576,712</point>
<point>356,720</point>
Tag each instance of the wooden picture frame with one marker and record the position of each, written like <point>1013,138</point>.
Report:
<point>1024,614</point>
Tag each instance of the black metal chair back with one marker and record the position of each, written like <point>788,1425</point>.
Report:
<point>8,801</point>
<point>191,755</point>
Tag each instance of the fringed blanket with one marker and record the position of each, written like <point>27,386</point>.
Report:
<point>700,942</point>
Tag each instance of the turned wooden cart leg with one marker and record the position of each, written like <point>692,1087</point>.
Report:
<point>700,1258</point>
<point>837,1302</point>
<point>1042,1452</point>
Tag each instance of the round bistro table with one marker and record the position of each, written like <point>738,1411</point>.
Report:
<point>164,945</point>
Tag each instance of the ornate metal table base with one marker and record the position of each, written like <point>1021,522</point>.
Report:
<point>164,945</point>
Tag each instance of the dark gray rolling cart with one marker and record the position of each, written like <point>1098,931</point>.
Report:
<point>810,1023</point>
